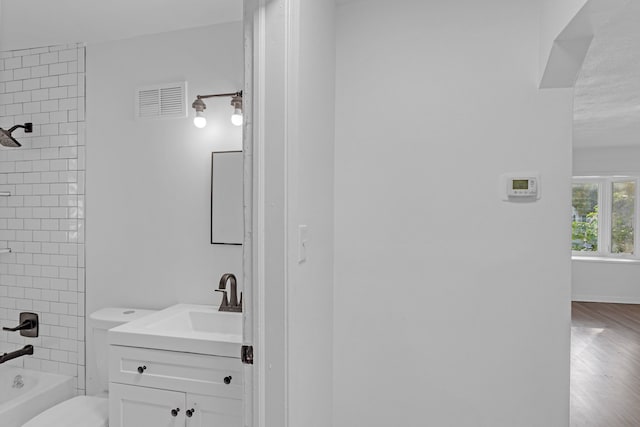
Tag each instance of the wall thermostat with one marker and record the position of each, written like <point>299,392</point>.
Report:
<point>520,187</point>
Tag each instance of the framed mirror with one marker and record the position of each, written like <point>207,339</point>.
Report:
<point>227,220</point>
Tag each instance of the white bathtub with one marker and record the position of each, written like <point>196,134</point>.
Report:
<point>39,392</point>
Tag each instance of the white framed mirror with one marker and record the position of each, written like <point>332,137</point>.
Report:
<point>227,223</point>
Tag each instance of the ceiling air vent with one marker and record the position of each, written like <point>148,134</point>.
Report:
<point>160,101</point>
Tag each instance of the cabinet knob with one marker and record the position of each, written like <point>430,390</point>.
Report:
<point>141,369</point>
<point>190,412</point>
<point>174,412</point>
<point>227,380</point>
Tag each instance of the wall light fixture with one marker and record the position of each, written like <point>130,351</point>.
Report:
<point>200,120</point>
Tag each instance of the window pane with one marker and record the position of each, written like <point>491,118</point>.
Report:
<point>622,217</point>
<point>584,233</point>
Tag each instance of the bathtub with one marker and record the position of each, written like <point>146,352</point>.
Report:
<point>40,391</point>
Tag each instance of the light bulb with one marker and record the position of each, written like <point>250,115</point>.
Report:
<point>200,120</point>
<point>236,118</point>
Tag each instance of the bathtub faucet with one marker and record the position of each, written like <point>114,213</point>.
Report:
<point>27,349</point>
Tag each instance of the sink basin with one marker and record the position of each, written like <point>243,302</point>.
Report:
<point>200,319</point>
<point>184,327</point>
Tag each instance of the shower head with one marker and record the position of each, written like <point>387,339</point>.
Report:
<point>7,140</point>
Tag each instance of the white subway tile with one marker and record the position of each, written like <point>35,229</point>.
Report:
<point>59,68</point>
<point>22,97</point>
<point>13,86</point>
<point>50,319</point>
<point>51,201</point>
<point>69,104</point>
<point>49,81</point>
<point>12,63</point>
<point>69,79</point>
<point>68,273</point>
<point>58,93</point>
<point>50,105</point>
<point>24,305</point>
<point>15,178</point>
<point>42,259</point>
<point>33,270</point>
<point>25,282</point>
<point>60,284</point>
<point>31,107</point>
<point>14,109</point>
<point>68,55</point>
<point>33,247</point>
<point>41,189</point>
<point>42,236</point>
<point>24,235</point>
<point>41,306</point>
<point>61,356</point>
<point>49,58</point>
<point>59,117</point>
<point>40,95</point>
<point>50,224</point>
<point>59,331</point>
<point>30,60</point>
<point>52,296</point>
<point>16,224</point>
<point>59,237</point>
<point>43,283</point>
<point>50,248</point>
<point>22,73</point>
<point>39,71</point>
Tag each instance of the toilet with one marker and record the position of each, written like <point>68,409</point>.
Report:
<point>90,411</point>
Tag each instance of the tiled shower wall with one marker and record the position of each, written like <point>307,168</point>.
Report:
<point>42,221</point>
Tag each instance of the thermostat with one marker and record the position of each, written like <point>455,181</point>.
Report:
<point>520,187</point>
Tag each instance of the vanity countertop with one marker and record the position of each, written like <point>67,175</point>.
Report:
<point>187,328</point>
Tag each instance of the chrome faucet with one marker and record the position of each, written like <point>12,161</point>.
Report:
<point>227,305</point>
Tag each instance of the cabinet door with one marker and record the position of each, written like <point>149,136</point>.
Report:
<point>133,406</point>
<point>209,411</point>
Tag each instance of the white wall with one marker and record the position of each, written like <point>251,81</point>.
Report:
<point>148,216</point>
<point>311,203</point>
<point>293,56</point>
<point>606,281</point>
<point>149,180</point>
<point>451,306</point>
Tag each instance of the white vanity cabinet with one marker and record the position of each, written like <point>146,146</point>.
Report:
<point>149,387</point>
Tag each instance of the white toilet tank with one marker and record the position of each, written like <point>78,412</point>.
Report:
<point>99,323</point>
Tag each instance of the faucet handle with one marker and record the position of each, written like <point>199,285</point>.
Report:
<point>225,300</point>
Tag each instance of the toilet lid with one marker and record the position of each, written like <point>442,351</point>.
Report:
<point>80,411</point>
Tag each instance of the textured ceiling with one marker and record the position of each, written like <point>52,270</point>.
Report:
<point>607,92</point>
<point>31,23</point>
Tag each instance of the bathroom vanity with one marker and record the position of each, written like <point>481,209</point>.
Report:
<point>178,367</point>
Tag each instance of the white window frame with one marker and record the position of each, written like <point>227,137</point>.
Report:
<point>605,202</point>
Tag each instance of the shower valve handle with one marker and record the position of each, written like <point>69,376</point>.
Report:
<point>27,324</point>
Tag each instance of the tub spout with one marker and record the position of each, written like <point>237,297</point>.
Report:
<point>27,349</point>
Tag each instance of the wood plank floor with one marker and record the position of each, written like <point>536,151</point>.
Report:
<point>605,365</point>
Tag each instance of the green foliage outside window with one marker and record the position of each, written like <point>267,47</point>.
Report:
<point>584,233</point>
<point>584,227</point>
<point>622,217</point>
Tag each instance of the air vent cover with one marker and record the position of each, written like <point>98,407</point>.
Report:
<point>160,101</point>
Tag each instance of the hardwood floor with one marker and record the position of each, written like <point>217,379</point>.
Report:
<point>605,365</point>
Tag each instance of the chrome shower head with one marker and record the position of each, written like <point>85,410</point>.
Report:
<point>7,140</point>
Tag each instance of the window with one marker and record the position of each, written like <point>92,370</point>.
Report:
<point>604,216</point>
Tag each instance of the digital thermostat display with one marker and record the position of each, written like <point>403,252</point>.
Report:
<point>520,184</point>
<point>524,187</point>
